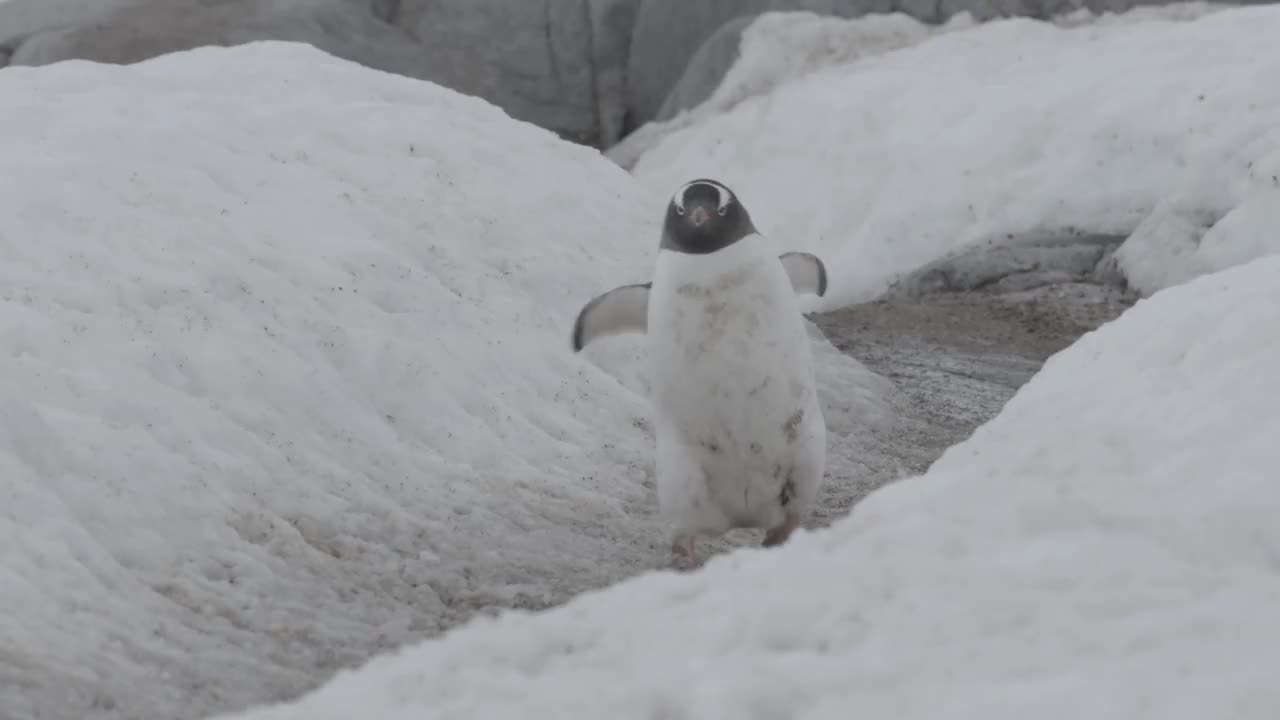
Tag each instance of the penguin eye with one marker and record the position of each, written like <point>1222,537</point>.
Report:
<point>679,210</point>
<point>722,210</point>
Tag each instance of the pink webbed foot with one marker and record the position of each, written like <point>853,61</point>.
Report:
<point>686,548</point>
<point>778,535</point>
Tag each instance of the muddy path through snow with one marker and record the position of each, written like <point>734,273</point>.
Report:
<point>936,357</point>
<point>953,341</point>
<point>958,338</point>
<point>956,359</point>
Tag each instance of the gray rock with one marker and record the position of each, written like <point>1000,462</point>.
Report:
<point>612,23</point>
<point>668,33</point>
<point>705,70</point>
<point>20,18</point>
<point>512,54</point>
<point>143,30</point>
<point>929,11</point>
<point>560,64</point>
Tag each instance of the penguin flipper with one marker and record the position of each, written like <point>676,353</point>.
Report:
<point>807,272</point>
<point>621,310</point>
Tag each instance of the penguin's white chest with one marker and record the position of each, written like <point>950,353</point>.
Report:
<point>733,386</point>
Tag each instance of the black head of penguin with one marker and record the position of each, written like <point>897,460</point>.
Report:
<point>704,216</point>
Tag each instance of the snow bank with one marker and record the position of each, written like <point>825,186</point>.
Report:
<point>286,372</point>
<point>887,163</point>
<point>1105,548</point>
<point>781,46</point>
<point>286,376</point>
<point>778,47</point>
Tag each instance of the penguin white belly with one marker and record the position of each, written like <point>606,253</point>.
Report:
<point>741,437</point>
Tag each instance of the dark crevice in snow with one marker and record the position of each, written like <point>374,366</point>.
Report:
<point>7,51</point>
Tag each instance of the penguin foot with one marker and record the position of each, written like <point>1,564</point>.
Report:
<point>778,535</point>
<point>686,547</point>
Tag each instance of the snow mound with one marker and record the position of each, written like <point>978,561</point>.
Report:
<point>287,379</point>
<point>890,162</point>
<point>780,46</point>
<point>286,372</point>
<point>1091,552</point>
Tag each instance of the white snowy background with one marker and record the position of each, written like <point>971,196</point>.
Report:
<point>1015,128</point>
<point>286,380</point>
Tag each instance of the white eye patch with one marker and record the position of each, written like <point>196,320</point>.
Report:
<point>723,196</point>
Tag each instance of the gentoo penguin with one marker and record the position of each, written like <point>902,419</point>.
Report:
<point>741,441</point>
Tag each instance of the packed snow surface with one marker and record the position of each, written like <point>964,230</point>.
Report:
<point>1009,130</point>
<point>287,383</point>
<point>287,376</point>
<point>1105,548</point>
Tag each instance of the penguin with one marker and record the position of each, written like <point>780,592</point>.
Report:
<point>741,439</point>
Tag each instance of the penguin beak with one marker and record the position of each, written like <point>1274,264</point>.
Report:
<point>698,216</point>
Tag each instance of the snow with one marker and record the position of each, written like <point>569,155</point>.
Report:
<point>1105,548</point>
<point>894,159</point>
<point>1189,235</point>
<point>267,317</point>
<point>287,381</point>
<point>778,47</point>
<point>781,46</point>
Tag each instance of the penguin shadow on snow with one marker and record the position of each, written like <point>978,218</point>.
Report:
<point>739,428</point>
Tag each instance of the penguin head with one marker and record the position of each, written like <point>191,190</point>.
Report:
<point>704,216</point>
